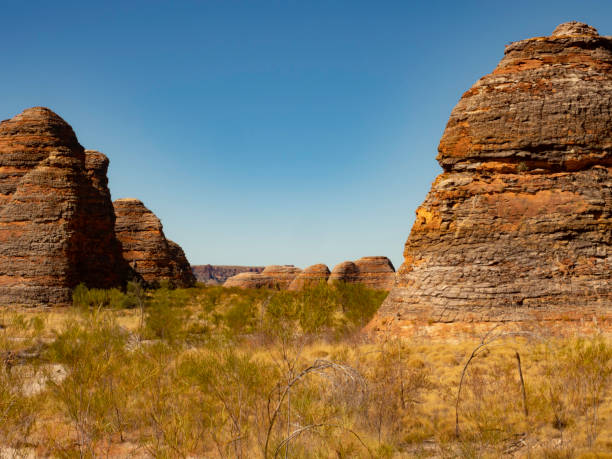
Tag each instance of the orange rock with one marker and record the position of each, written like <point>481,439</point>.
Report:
<point>56,217</point>
<point>281,275</point>
<point>519,224</point>
<point>146,248</point>
<point>373,272</point>
<point>248,280</point>
<point>310,276</point>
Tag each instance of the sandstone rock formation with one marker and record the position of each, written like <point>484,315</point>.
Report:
<point>218,274</point>
<point>180,269</point>
<point>281,275</point>
<point>249,280</point>
<point>373,272</point>
<point>310,276</point>
<point>145,246</point>
<point>274,276</point>
<point>55,212</point>
<point>344,272</point>
<point>519,224</point>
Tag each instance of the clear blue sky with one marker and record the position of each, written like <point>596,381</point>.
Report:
<point>267,132</point>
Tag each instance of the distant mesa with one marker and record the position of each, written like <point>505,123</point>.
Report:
<point>218,274</point>
<point>311,276</point>
<point>519,224</point>
<point>56,216</point>
<point>374,272</point>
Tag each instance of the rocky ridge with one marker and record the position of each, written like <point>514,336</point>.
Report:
<point>374,272</point>
<point>519,224</point>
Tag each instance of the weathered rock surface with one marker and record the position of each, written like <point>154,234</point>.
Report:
<point>218,274</point>
<point>344,272</point>
<point>102,264</point>
<point>281,275</point>
<point>54,213</point>
<point>519,224</point>
<point>310,276</point>
<point>277,277</point>
<point>145,246</point>
<point>249,280</point>
<point>375,272</point>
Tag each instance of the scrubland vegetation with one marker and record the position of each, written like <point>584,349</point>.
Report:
<point>214,372</point>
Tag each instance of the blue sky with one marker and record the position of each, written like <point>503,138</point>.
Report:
<point>267,132</point>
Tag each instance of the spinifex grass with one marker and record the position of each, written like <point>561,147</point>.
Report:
<point>219,372</point>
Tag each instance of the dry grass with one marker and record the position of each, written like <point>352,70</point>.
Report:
<point>208,385</point>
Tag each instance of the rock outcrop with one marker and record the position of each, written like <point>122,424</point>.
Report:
<point>280,276</point>
<point>54,213</point>
<point>274,276</point>
<point>146,248</point>
<point>249,280</point>
<point>373,272</point>
<point>311,276</point>
<point>344,272</point>
<point>519,224</point>
<point>218,274</point>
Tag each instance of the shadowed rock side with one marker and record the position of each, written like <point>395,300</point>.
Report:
<point>519,224</point>
<point>103,265</point>
<point>310,276</point>
<point>180,269</point>
<point>47,229</point>
<point>145,246</point>
<point>218,274</point>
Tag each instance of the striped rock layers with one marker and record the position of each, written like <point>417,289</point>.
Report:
<point>277,277</point>
<point>373,272</point>
<point>519,224</point>
<point>56,217</point>
<point>146,248</point>
<point>57,221</point>
<point>311,276</point>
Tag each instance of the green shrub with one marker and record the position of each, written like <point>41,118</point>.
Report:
<point>82,297</point>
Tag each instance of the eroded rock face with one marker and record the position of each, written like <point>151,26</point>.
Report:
<point>375,272</point>
<point>145,246</point>
<point>519,224</point>
<point>310,276</point>
<point>52,212</point>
